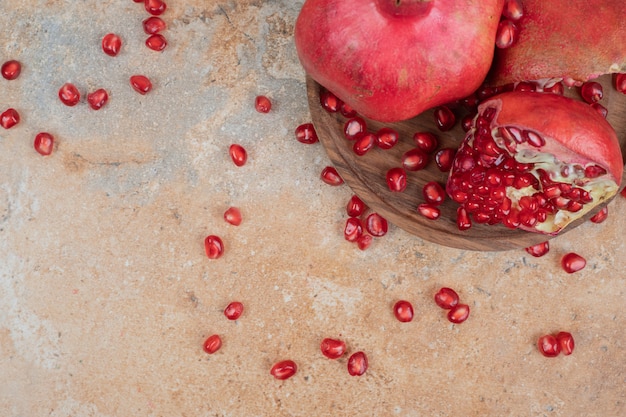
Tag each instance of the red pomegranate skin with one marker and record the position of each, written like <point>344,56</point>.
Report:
<point>574,40</point>
<point>392,59</point>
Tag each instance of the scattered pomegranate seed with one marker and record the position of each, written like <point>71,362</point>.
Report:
<point>600,109</point>
<point>364,242</point>
<point>591,92</point>
<point>426,141</point>
<point>262,104</point>
<point>153,25</point>
<point>620,83</point>
<point>414,159</point>
<point>213,246</point>
<point>354,127</point>
<point>444,159</point>
<point>364,143</point>
<point>111,44</point>
<point>396,179</point>
<point>330,102</point>
<point>331,177</point>
<point>141,84</point>
<point>9,118</point>
<point>446,298</point>
<point>429,211</point>
<point>463,221</point>
<point>155,7</point>
<point>566,341</point>
<point>233,216</point>
<point>333,348</point>
<point>403,310</point>
<point>233,310</point>
<point>572,262</point>
<point>306,133</point>
<point>212,344</point>
<point>376,225</point>
<point>355,206</point>
<point>444,118</point>
<point>386,138</point>
<point>11,69</point>
<point>98,98</point>
<point>346,110</point>
<point>353,229</point>
<point>600,216</point>
<point>156,42</point>
<point>357,364</point>
<point>507,34</point>
<point>238,154</point>
<point>44,142</point>
<point>539,249</point>
<point>459,313</point>
<point>549,346</point>
<point>69,94</point>
<point>513,10</point>
<point>433,193</point>
<point>284,369</point>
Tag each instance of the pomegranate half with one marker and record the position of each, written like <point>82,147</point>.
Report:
<point>535,161</point>
<point>392,59</point>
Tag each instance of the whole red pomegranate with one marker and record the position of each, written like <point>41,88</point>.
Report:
<point>392,59</point>
<point>535,161</point>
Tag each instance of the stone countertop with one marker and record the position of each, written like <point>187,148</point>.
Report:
<point>106,295</point>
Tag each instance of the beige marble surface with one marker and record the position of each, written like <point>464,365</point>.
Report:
<point>106,295</point>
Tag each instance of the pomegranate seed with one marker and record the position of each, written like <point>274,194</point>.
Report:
<point>11,69</point>
<point>153,25</point>
<point>525,86</point>
<point>364,143</point>
<point>111,44</point>
<point>355,206</point>
<point>572,262</point>
<point>330,102</point>
<point>157,42</point>
<point>434,193</point>
<point>233,310</point>
<point>539,249</point>
<point>354,127</point>
<point>414,159</point>
<point>213,246</point>
<point>600,216</point>
<point>364,241</point>
<point>331,177</point>
<point>386,138</point>
<point>403,310</point>
<point>238,154</point>
<point>549,346</point>
<point>9,118</point>
<point>426,141</point>
<point>513,10</point>
<point>444,118</point>
<point>459,313</point>
<point>262,104</point>
<point>376,225</point>
<point>141,84</point>
<point>284,369</point>
<point>44,142</point>
<point>463,221</point>
<point>396,179</point>
<point>591,92</point>
<point>507,34</point>
<point>556,88</point>
<point>233,216</point>
<point>429,211</point>
<point>620,83</point>
<point>155,7</point>
<point>444,158</point>
<point>346,110</point>
<point>353,229</point>
<point>357,364</point>
<point>332,348</point>
<point>446,298</point>
<point>603,111</point>
<point>69,94</point>
<point>306,133</point>
<point>98,98</point>
<point>212,344</point>
<point>467,121</point>
<point>566,341</point>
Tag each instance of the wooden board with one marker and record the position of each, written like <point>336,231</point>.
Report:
<point>366,175</point>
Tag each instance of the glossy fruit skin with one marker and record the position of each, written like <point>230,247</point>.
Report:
<point>212,344</point>
<point>141,84</point>
<point>238,154</point>
<point>9,118</point>
<point>111,44</point>
<point>549,346</point>
<point>213,246</point>
<point>333,348</point>
<point>69,94</point>
<point>438,40</point>
<point>357,364</point>
<point>44,143</point>
<point>97,99</point>
<point>573,262</point>
<point>403,311</point>
<point>446,298</point>
<point>10,70</point>
<point>233,310</point>
<point>459,313</point>
<point>284,369</point>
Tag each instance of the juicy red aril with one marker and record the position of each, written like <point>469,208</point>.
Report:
<point>213,246</point>
<point>600,216</point>
<point>11,69</point>
<point>364,143</point>
<point>306,133</point>
<point>212,344</point>
<point>357,364</point>
<point>98,98</point>
<point>386,138</point>
<point>444,118</point>
<point>153,25</point>
<point>572,262</point>
<point>556,88</point>
<point>426,141</point>
<point>233,216</point>
<point>467,121</point>
<point>376,225</point>
<point>525,86</point>
<point>353,229</point>
<point>156,42</point>
<point>620,83</point>
<point>446,298</point>
<point>463,221</point>
<point>330,102</point>
<point>539,249</point>
<point>603,111</point>
<point>591,91</point>
<point>414,159</point>
<point>433,193</point>
<point>111,44</point>
<point>566,341</point>
<point>262,104</point>
<point>354,127</point>
<point>513,10</point>
<point>44,142</point>
<point>364,241</point>
<point>355,206</point>
<point>330,176</point>
<point>444,158</point>
<point>155,7</point>
<point>140,84</point>
<point>403,310</point>
<point>233,310</point>
<point>429,211</point>
<point>459,313</point>
<point>69,94</point>
<point>396,179</point>
<point>549,346</point>
<point>346,110</point>
<point>507,34</point>
<point>284,369</point>
<point>333,348</point>
<point>238,154</point>
<point>9,118</point>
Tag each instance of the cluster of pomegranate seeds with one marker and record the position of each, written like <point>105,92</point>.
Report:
<point>233,216</point>
<point>448,299</point>
<point>111,44</point>
<point>141,84</point>
<point>434,195</point>
<point>403,311</point>
<point>508,32</point>
<point>333,348</point>
<point>212,344</point>
<point>238,154</point>
<point>600,216</point>
<point>213,246</point>
<point>233,310</point>
<point>9,118</point>
<point>69,94</point>
<point>552,345</point>
<point>284,369</point>
<point>357,364</point>
<point>330,176</point>
<point>539,249</point>
<point>362,226</point>
<point>11,70</point>
<point>305,133</point>
<point>44,143</point>
<point>262,104</point>
<point>98,98</point>
<point>572,262</point>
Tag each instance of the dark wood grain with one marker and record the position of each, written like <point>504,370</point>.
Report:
<point>366,176</point>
